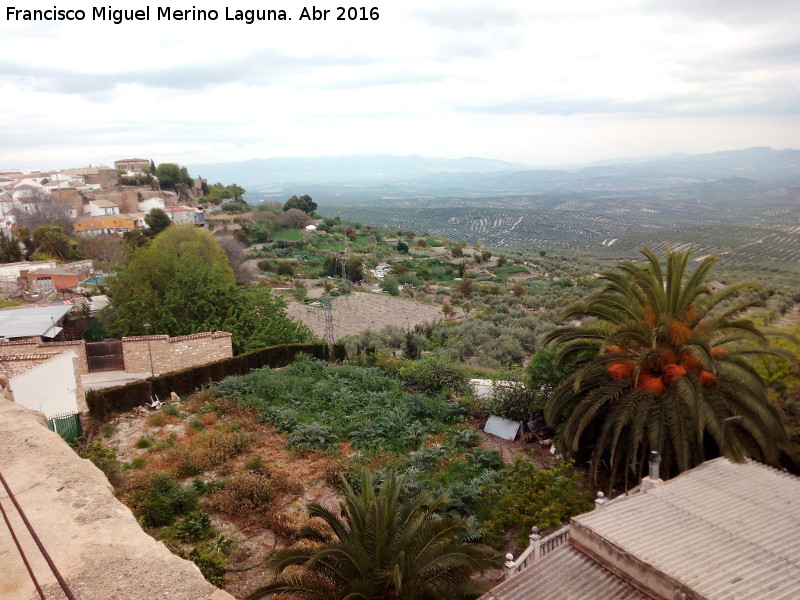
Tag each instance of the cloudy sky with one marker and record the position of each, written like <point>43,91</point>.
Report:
<point>529,81</point>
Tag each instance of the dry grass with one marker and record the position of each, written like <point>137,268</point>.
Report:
<point>252,493</point>
<point>160,418</point>
<point>206,450</point>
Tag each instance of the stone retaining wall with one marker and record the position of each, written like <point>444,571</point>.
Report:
<point>174,353</point>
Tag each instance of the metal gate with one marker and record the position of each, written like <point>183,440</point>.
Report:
<point>67,425</point>
<point>105,356</point>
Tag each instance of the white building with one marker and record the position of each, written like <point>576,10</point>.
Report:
<point>100,208</point>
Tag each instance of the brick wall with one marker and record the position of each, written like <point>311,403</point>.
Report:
<point>171,354</point>
<point>36,347</point>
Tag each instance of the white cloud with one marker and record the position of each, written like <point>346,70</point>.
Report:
<point>531,82</point>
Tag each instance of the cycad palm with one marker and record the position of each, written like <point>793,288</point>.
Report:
<point>663,368</point>
<point>383,547</point>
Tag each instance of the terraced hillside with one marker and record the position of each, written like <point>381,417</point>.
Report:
<point>753,245</point>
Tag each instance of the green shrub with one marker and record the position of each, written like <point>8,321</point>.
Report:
<point>210,558</point>
<point>254,462</point>
<point>164,499</point>
<point>145,442</point>
<point>311,437</point>
<point>435,375</point>
<point>172,410</point>
<point>196,526</point>
<point>138,462</point>
<point>284,420</point>
<point>463,439</point>
<point>524,496</point>
<point>103,458</point>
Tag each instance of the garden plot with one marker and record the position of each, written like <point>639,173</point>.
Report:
<point>362,311</point>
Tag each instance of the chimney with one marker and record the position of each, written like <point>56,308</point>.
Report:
<point>655,463</point>
<point>653,478</point>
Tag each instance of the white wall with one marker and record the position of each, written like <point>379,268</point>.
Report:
<point>93,210</point>
<point>146,206</point>
<point>50,388</point>
<point>13,269</point>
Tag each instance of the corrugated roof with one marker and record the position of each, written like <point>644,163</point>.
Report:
<point>27,322</point>
<point>725,530</point>
<point>565,574</point>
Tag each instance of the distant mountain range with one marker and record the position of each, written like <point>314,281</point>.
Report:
<point>351,170</point>
<point>343,179</point>
<point>741,204</point>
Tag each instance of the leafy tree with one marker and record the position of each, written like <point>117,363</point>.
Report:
<point>236,191</point>
<point>106,251</point>
<point>157,221</point>
<point>28,247</point>
<point>294,218</point>
<point>133,239</point>
<point>466,287</point>
<point>383,546</point>
<point>448,310</point>
<point>172,176</point>
<point>181,284</point>
<point>401,247</point>
<point>544,374</point>
<point>51,241</point>
<point>9,249</point>
<point>525,496</point>
<point>355,268</point>
<point>304,203</point>
<point>258,319</point>
<point>390,285</point>
<point>664,368</point>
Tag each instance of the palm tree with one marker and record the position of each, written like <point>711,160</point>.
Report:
<point>663,367</point>
<point>383,547</point>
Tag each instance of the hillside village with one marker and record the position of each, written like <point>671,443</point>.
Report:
<point>239,373</point>
<point>95,200</point>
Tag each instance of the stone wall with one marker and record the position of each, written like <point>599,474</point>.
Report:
<point>171,354</point>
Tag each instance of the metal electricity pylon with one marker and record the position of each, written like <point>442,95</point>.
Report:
<point>326,307</point>
<point>343,259</point>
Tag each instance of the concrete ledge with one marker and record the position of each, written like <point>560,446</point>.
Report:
<point>94,539</point>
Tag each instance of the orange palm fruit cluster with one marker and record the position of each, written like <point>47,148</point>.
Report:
<point>651,383</point>
<point>621,369</point>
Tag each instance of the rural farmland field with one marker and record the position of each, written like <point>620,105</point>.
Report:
<point>361,311</point>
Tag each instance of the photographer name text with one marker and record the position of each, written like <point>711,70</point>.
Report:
<point>117,16</point>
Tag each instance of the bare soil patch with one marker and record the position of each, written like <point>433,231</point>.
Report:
<point>361,311</point>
